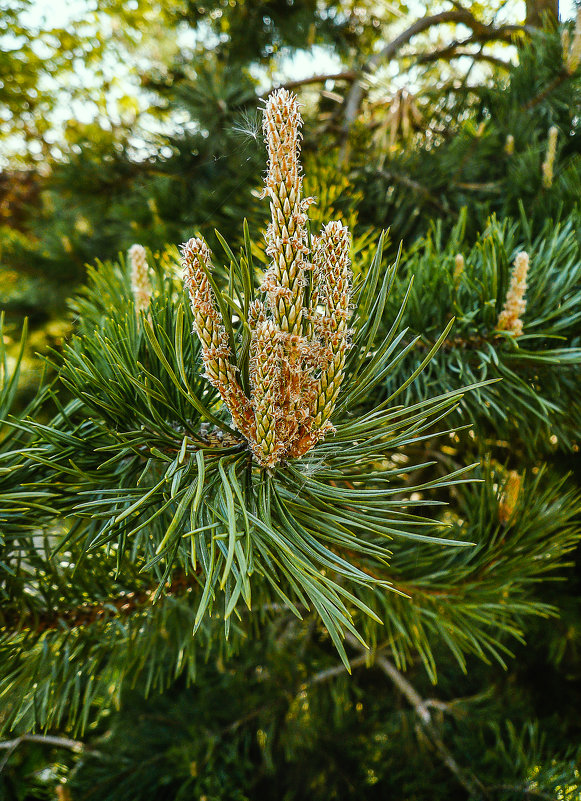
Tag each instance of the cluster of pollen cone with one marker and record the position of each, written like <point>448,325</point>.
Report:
<point>299,328</point>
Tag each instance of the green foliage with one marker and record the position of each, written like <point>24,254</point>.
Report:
<point>103,591</point>
<point>49,72</point>
<point>273,722</point>
<point>133,464</point>
<point>458,599</point>
<point>14,497</point>
<point>191,155</point>
<point>249,32</point>
<point>537,402</point>
<point>129,458</point>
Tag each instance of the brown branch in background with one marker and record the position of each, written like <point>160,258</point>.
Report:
<point>347,75</point>
<point>337,670</point>
<point>404,180</point>
<point>385,54</point>
<point>542,12</point>
<point>466,778</point>
<point>10,746</point>
<point>555,83</point>
<point>99,612</point>
<point>453,50</point>
<point>44,739</point>
<point>480,32</point>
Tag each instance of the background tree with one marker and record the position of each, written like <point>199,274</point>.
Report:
<point>166,137</point>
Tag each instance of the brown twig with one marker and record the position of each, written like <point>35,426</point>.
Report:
<point>557,81</point>
<point>338,670</point>
<point>469,781</point>
<point>87,614</point>
<point>480,32</point>
<point>346,75</point>
<point>44,739</point>
<point>453,50</point>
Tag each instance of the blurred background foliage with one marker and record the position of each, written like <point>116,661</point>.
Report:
<point>125,122</point>
<point>138,122</point>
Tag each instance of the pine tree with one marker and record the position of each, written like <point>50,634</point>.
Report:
<point>209,529</point>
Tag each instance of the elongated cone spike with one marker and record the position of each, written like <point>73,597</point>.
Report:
<point>297,353</point>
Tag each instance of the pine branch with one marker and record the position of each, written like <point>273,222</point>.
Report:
<point>266,494</point>
<point>44,739</point>
<point>337,670</point>
<point>466,778</point>
<point>454,50</point>
<point>543,352</point>
<point>84,615</point>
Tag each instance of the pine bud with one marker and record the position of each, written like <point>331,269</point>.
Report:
<point>265,375</point>
<point>515,303</point>
<point>509,145</point>
<point>286,235</point>
<point>140,283</point>
<point>297,353</point>
<point>458,268</point>
<point>196,262</point>
<point>549,161</point>
<point>509,497</point>
<point>574,55</point>
<point>332,276</point>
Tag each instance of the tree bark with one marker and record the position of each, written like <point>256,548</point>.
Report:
<point>542,12</point>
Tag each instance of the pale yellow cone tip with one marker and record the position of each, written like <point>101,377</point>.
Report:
<point>140,280</point>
